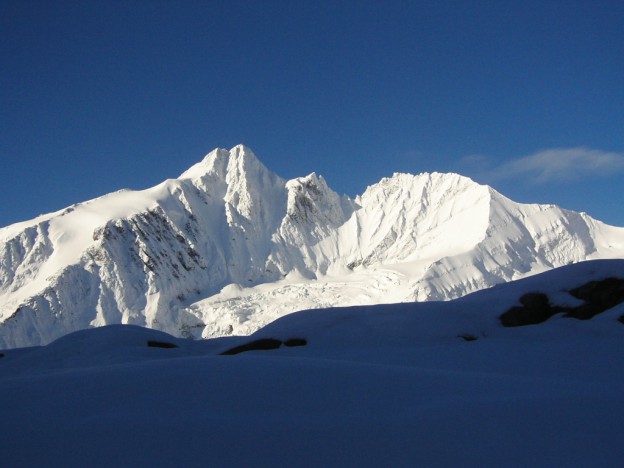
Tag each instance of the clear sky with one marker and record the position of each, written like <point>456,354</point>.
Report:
<point>526,96</point>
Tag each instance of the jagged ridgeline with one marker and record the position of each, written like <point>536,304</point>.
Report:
<point>229,246</point>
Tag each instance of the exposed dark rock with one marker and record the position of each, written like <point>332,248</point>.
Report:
<point>536,308</point>
<point>621,319</point>
<point>295,342</point>
<point>264,344</point>
<point>161,344</point>
<point>1,355</point>
<point>598,296</point>
<point>261,344</point>
<point>468,337</point>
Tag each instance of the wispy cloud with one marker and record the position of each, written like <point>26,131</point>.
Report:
<point>560,165</point>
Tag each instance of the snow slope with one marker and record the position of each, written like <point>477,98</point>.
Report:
<point>228,247</point>
<point>378,385</point>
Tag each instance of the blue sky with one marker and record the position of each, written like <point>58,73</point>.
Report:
<point>101,95</point>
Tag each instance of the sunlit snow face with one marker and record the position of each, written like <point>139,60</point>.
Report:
<point>160,257</point>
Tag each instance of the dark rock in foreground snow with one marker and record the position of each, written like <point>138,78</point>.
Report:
<point>598,296</point>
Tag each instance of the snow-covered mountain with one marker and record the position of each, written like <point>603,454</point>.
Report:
<point>229,246</point>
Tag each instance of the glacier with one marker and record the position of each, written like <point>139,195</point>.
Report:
<point>229,246</point>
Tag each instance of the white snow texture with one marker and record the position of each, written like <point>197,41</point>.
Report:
<point>229,246</point>
<point>412,384</point>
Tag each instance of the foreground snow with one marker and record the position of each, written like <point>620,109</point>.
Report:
<point>394,385</point>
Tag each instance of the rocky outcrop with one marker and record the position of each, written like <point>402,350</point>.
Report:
<point>598,296</point>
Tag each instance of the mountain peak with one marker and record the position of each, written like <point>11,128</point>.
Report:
<point>215,161</point>
<point>221,161</point>
<point>242,151</point>
<point>158,257</point>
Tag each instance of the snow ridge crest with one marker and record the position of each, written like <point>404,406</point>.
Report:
<point>229,246</point>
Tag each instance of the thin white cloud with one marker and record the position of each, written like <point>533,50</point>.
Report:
<point>561,164</point>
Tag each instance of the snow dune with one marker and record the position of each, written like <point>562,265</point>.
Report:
<point>422,384</point>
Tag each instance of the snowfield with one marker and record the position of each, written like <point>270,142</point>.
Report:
<point>412,384</point>
<point>228,247</point>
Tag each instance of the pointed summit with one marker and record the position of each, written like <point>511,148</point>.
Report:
<point>219,162</point>
<point>159,257</point>
<point>311,200</point>
<point>243,163</point>
<point>214,162</point>
<point>243,152</point>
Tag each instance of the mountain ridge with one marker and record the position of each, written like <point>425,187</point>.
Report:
<point>229,246</point>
